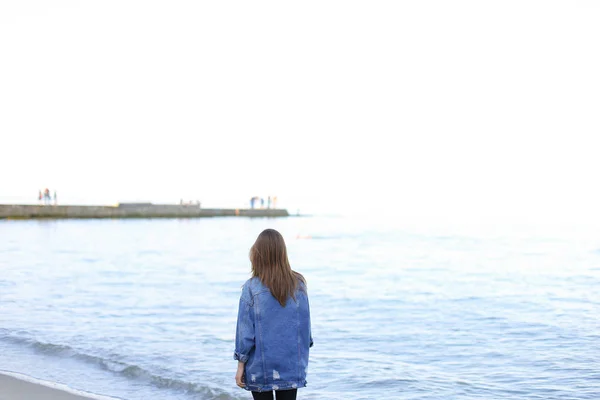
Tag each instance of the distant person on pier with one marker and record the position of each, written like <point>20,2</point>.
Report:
<point>262,203</point>
<point>55,198</point>
<point>46,196</point>
<point>274,201</point>
<point>269,202</point>
<point>40,196</point>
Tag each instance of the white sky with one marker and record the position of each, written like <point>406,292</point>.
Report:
<point>462,108</point>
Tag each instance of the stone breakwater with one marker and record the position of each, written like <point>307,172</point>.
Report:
<point>17,211</point>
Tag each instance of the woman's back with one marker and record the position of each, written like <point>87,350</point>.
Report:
<point>282,338</point>
<point>273,333</point>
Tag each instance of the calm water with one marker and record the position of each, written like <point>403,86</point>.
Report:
<point>146,309</point>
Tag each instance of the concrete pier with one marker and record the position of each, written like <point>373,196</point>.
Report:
<point>18,211</point>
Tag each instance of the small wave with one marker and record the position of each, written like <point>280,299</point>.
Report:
<point>389,383</point>
<point>311,237</point>
<point>49,348</point>
<point>129,371</point>
<point>7,283</point>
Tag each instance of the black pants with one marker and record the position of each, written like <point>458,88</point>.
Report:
<point>280,395</point>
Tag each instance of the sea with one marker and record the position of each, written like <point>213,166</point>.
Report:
<point>146,309</point>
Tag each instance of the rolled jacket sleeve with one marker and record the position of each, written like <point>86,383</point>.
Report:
<point>244,337</point>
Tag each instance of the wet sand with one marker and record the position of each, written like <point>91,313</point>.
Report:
<point>12,388</point>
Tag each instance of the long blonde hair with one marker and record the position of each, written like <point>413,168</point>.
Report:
<point>270,264</point>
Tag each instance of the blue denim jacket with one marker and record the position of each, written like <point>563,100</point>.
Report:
<point>273,341</point>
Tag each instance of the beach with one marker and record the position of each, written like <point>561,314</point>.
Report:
<point>22,388</point>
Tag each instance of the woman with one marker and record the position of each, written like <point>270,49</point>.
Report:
<point>273,327</point>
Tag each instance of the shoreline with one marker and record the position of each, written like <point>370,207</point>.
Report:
<point>17,386</point>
